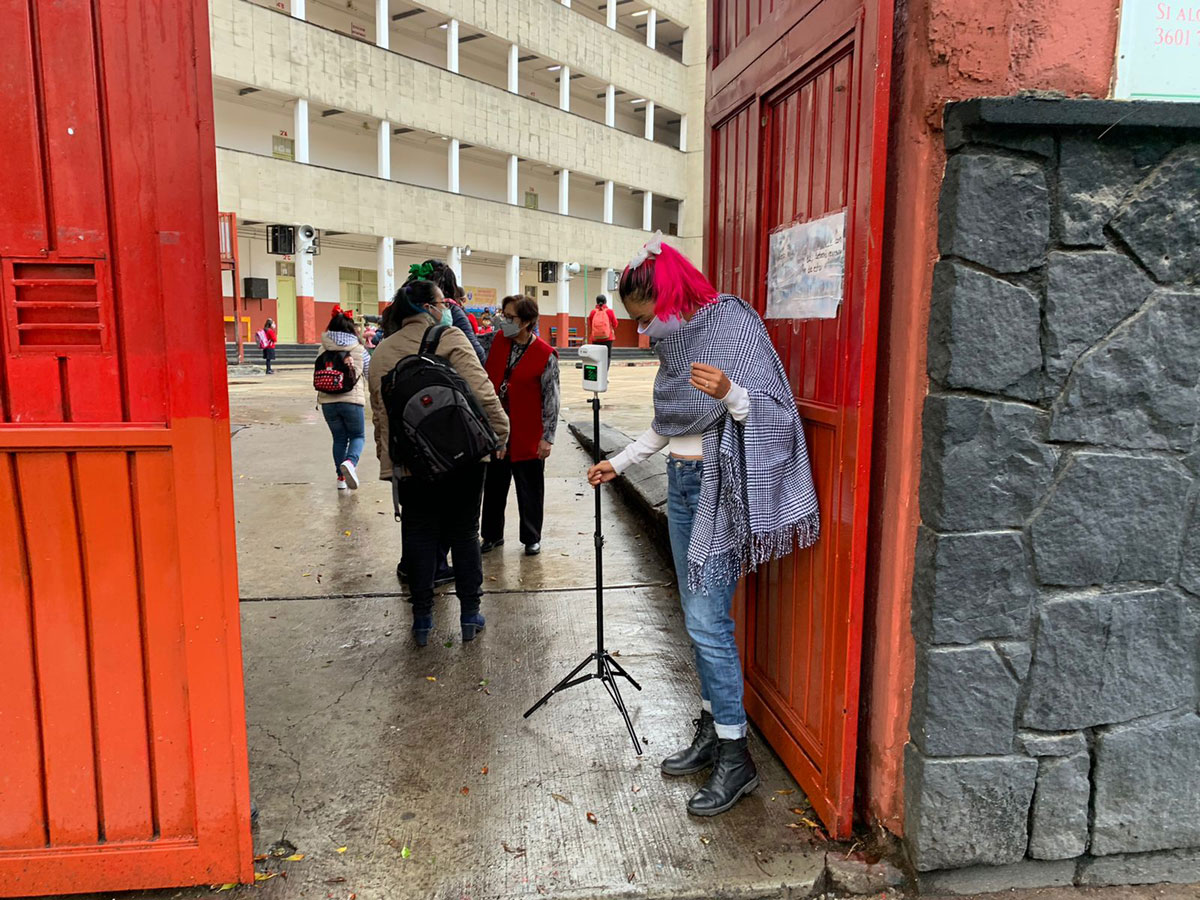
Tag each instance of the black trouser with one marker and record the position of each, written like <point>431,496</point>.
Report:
<point>530,476</point>
<point>436,513</point>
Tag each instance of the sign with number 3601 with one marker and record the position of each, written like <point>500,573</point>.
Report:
<point>1158,50</point>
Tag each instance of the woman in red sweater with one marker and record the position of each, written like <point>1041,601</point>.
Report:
<point>524,371</point>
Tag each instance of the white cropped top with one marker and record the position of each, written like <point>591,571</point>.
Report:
<point>686,445</point>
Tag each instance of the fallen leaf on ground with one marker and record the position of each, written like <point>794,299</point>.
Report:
<point>405,853</point>
<point>338,880</point>
<point>306,575</point>
<point>264,876</point>
<point>591,817</point>
<point>796,825</point>
<point>810,823</point>
<point>483,771</point>
<point>448,644</point>
<point>295,857</point>
<point>224,887</point>
<point>341,849</point>
<point>465,790</point>
<point>705,839</point>
<point>517,852</point>
<point>430,678</point>
<point>260,857</point>
<point>798,810</point>
<point>786,792</point>
<point>636,788</point>
<point>346,533</point>
<point>631,877</point>
<point>281,848</point>
<point>561,799</point>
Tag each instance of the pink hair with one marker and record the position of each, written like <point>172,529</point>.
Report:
<point>670,281</point>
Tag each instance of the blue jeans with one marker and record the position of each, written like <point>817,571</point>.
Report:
<point>706,612</point>
<point>345,421</point>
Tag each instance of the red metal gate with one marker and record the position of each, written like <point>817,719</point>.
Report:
<point>122,727</point>
<point>797,110</point>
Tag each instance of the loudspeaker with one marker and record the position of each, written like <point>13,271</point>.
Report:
<point>548,272</point>
<point>254,288</point>
<point>281,240</point>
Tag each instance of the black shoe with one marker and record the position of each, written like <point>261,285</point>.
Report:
<point>699,754</point>
<point>444,576</point>
<point>733,777</point>
<point>533,549</point>
<point>486,546</point>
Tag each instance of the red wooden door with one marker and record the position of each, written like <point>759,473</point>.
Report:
<point>797,110</point>
<point>122,726</point>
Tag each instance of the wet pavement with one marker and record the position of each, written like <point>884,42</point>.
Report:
<point>418,761</point>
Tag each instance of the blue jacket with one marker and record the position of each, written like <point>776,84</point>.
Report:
<point>463,324</point>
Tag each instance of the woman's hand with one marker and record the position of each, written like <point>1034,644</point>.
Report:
<point>544,448</point>
<point>710,380</point>
<point>601,473</point>
<point>502,452</point>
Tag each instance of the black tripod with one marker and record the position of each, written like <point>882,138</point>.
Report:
<point>607,668</point>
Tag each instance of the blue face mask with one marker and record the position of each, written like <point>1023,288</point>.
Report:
<point>659,329</point>
<point>446,318</point>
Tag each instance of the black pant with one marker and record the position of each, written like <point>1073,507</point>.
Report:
<point>443,512</point>
<point>530,476</point>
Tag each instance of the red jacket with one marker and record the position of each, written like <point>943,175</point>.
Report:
<point>524,400</point>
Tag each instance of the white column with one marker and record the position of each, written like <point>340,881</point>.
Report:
<point>385,149</point>
<point>454,261</point>
<point>564,191</point>
<point>608,202</point>
<point>649,120</point>
<point>610,106</point>
<point>512,276</point>
<point>512,179</point>
<point>452,45</point>
<point>297,9</point>
<point>383,23</point>
<point>452,160</point>
<point>513,78</point>
<point>564,290</point>
<point>647,209</point>
<point>564,88</point>
<point>651,28</point>
<point>385,265</point>
<point>608,276</point>
<point>683,132</point>
<point>300,129</point>
<point>611,12</point>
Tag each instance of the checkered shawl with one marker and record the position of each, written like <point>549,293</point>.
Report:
<point>757,503</point>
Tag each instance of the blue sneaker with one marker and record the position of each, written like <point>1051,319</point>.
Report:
<point>471,626</point>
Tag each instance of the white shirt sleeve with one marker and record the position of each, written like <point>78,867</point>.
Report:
<point>647,444</point>
<point>738,402</point>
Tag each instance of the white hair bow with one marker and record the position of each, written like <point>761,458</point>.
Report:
<point>654,245</point>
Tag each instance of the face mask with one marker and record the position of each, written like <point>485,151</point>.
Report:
<point>446,318</point>
<point>658,329</point>
<point>509,327</point>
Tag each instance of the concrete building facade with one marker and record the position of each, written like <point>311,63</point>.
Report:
<point>494,135</point>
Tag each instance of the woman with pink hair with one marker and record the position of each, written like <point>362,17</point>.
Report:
<point>739,487</point>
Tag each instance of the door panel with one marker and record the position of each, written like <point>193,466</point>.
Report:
<point>798,132</point>
<point>122,725</point>
<point>285,289</point>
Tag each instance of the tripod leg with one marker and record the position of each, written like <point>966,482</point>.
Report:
<point>560,686</point>
<point>611,683</point>
<point>616,665</point>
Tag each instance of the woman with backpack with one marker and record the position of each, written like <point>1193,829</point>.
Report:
<point>339,375</point>
<point>524,371</point>
<point>739,487</point>
<point>266,338</point>
<point>437,510</point>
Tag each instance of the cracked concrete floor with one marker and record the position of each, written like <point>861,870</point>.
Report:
<point>360,740</point>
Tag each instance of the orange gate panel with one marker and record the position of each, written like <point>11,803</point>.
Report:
<point>797,114</point>
<point>122,723</point>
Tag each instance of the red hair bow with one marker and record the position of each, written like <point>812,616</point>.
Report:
<point>348,313</point>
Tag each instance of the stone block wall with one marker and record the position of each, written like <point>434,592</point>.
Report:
<point>1056,603</point>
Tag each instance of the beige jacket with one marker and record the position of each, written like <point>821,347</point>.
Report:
<point>453,346</point>
<point>356,394</point>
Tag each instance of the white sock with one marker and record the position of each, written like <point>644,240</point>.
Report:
<point>731,732</point>
<point>706,705</point>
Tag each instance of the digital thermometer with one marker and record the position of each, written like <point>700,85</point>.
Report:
<point>595,367</point>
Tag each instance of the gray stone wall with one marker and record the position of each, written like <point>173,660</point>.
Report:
<point>1056,604</point>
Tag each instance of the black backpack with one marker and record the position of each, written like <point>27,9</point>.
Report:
<point>334,373</point>
<point>435,425</point>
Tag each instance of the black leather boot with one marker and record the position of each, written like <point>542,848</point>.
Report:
<point>699,754</point>
<point>733,777</point>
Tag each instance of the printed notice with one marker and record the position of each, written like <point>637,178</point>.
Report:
<point>1158,51</point>
<point>806,269</point>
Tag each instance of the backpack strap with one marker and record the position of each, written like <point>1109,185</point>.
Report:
<point>429,342</point>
